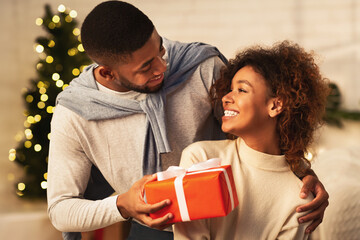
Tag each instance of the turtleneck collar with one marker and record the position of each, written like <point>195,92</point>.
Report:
<point>261,160</point>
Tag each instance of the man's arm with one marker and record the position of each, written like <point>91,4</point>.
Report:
<point>316,206</point>
<point>68,175</point>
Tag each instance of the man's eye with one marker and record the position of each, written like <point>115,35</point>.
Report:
<point>147,68</point>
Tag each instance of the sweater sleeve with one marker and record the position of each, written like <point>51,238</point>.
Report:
<point>68,174</point>
<point>209,77</point>
<point>197,229</point>
<point>292,229</point>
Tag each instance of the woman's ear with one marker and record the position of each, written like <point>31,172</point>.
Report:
<point>275,107</point>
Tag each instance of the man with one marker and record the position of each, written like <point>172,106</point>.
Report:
<point>129,115</point>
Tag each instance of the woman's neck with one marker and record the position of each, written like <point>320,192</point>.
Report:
<point>264,143</point>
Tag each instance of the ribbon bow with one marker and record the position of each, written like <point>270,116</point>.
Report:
<point>175,171</point>
<point>211,165</point>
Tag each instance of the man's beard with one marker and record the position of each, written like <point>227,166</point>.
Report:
<point>143,89</point>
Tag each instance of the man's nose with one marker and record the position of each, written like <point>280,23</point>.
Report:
<point>160,66</point>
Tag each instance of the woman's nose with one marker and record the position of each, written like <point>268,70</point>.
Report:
<point>227,98</point>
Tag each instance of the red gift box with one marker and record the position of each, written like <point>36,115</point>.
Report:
<point>198,194</point>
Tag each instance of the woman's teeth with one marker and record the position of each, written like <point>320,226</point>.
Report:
<point>229,113</point>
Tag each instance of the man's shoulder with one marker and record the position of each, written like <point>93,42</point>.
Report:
<point>64,112</point>
<point>208,71</point>
<point>212,62</point>
<point>64,117</point>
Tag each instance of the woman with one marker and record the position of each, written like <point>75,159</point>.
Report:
<point>273,100</point>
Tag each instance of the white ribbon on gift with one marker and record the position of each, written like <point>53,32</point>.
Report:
<point>179,173</point>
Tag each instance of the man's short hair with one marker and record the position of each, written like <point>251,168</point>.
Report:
<point>113,30</point>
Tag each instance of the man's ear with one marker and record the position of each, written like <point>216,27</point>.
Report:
<point>105,73</point>
<point>275,107</point>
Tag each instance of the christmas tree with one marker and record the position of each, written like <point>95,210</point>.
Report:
<point>61,58</point>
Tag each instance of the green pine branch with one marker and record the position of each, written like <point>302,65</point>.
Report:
<point>334,113</point>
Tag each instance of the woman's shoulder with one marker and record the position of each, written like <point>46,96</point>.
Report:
<point>210,145</point>
<point>204,150</point>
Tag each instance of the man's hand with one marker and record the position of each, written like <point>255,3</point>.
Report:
<point>317,206</point>
<point>132,204</point>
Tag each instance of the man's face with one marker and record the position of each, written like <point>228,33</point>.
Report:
<point>144,69</point>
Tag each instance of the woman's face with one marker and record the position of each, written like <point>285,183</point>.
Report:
<point>246,106</point>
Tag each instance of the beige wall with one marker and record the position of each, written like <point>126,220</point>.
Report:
<point>330,27</point>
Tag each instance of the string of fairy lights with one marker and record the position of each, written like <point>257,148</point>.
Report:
<point>43,86</point>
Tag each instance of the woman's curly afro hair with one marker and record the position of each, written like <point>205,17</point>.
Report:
<point>291,75</point>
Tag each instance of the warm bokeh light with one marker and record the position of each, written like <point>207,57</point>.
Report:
<point>73,14</point>
<point>50,109</point>
<point>65,85</point>
<point>28,133</point>
<point>21,186</point>
<point>39,21</point>
<point>56,19</point>
<point>29,98</point>
<point>41,105</point>
<point>59,83</point>
<point>81,48</point>
<point>37,147</point>
<point>72,51</point>
<point>75,71</point>
<point>82,67</point>
<point>51,43</point>
<point>27,144</point>
<point>26,124</point>
<point>12,154</point>
<point>40,84</point>
<point>49,59</point>
<point>39,66</point>
<point>76,31</point>
<point>39,48</point>
<point>55,76</point>
<point>44,97</point>
<point>68,19</point>
<point>61,8</point>
<point>44,184</point>
<point>31,120</point>
<point>51,25</point>
<point>42,90</point>
<point>37,118</point>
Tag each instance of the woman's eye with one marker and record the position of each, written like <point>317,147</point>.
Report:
<point>242,90</point>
